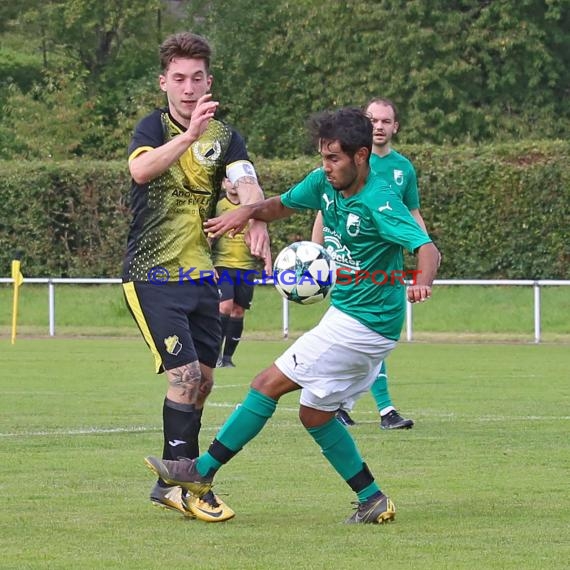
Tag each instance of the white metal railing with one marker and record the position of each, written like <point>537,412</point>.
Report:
<point>51,282</point>
<point>536,285</point>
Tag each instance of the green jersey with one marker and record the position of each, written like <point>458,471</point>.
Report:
<point>365,235</point>
<point>399,172</point>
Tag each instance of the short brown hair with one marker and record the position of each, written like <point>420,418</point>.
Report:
<point>185,45</point>
<point>384,101</point>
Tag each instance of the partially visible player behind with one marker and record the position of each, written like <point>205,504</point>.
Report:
<point>237,270</point>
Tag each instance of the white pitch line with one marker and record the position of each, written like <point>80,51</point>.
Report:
<point>522,418</point>
<point>85,431</point>
<point>156,429</point>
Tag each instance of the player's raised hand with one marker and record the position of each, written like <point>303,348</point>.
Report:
<point>201,116</point>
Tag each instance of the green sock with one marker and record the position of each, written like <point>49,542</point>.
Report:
<point>367,492</point>
<point>380,390</point>
<point>246,421</point>
<point>340,449</point>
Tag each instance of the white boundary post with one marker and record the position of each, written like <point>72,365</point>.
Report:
<point>51,307</point>
<point>409,321</point>
<point>285,311</point>
<point>536,288</point>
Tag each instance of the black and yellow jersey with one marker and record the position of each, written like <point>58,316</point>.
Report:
<point>168,212</point>
<point>232,252</point>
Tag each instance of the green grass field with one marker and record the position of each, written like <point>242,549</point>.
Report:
<point>454,313</point>
<point>480,482</point>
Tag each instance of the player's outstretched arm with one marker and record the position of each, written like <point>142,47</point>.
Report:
<point>236,220</point>
<point>426,270</point>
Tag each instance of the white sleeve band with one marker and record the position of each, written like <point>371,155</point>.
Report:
<point>239,169</point>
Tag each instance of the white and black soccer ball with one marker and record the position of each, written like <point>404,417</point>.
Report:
<point>304,272</point>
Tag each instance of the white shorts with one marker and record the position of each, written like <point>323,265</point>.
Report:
<point>335,362</point>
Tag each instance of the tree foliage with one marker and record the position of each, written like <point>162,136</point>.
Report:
<point>96,60</point>
<point>460,71</point>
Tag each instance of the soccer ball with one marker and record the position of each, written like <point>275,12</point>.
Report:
<point>304,272</point>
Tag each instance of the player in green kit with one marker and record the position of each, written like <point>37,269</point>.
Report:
<point>366,228</point>
<point>400,174</point>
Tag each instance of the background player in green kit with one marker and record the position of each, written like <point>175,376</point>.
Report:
<point>400,174</point>
<point>177,159</point>
<point>237,270</point>
<point>366,227</point>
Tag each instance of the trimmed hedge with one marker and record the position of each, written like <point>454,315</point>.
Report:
<point>494,211</point>
<point>498,211</point>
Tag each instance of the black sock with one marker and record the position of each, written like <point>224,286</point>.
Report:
<point>225,320</point>
<point>181,427</point>
<point>233,336</point>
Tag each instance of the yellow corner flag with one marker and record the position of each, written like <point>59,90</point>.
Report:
<point>17,279</point>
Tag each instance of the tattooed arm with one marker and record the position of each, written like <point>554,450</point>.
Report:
<point>249,192</point>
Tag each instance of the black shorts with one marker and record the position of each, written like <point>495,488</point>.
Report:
<point>179,322</point>
<point>237,284</point>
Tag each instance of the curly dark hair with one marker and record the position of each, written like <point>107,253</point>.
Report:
<point>349,125</point>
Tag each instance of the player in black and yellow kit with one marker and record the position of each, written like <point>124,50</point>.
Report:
<point>237,270</point>
<point>178,157</point>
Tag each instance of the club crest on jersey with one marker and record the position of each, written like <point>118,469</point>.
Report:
<point>173,345</point>
<point>352,225</point>
<point>206,152</point>
<point>398,177</point>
